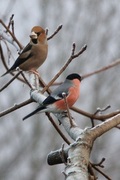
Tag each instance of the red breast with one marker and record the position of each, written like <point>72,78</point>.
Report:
<point>74,93</point>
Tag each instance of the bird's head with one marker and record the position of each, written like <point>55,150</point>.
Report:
<point>74,76</point>
<point>38,34</point>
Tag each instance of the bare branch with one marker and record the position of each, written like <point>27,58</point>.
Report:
<point>26,81</point>
<point>6,67</point>
<point>57,128</point>
<point>68,112</point>
<point>99,110</point>
<point>57,30</point>
<point>97,117</point>
<point>10,22</point>
<point>7,84</point>
<point>101,172</point>
<point>15,107</point>
<point>100,164</point>
<point>113,64</point>
<point>14,38</point>
<point>105,126</point>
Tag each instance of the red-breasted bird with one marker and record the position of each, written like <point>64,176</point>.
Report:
<point>55,102</point>
<point>34,54</point>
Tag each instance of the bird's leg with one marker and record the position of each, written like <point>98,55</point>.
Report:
<point>34,72</point>
<point>68,111</point>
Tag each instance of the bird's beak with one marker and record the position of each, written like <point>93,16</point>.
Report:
<point>33,35</point>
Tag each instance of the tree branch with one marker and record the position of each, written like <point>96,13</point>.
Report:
<point>57,30</point>
<point>113,64</point>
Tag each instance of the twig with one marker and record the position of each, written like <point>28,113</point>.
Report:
<point>115,63</point>
<point>14,38</point>
<point>13,31</point>
<point>101,172</point>
<point>57,30</point>
<point>43,84</point>
<point>97,117</point>
<point>8,50</point>
<point>73,49</point>
<point>5,64</point>
<point>27,82</point>
<point>3,58</point>
<point>16,106</point>
<point>99,164</point>
<point>57,128</point>
<point>7,84</point>
<point>10,21</point>
<point>99,110</point>
<point>68,112</point>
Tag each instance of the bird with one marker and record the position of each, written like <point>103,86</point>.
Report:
<point>55,102</point>
<point>34,54</point>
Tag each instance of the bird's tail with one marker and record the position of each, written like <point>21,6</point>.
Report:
<point>34,112</point>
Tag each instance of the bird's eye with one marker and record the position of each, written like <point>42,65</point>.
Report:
<point>38,33</point>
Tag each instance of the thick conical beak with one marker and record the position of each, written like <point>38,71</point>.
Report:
<point>33,35</point>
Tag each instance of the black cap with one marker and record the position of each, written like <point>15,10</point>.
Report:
<point>74,76</point>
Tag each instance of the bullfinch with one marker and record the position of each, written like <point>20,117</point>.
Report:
<point>55,102</point>
<point>34,54</point>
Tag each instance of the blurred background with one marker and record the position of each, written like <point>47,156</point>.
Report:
<point>24,146</point>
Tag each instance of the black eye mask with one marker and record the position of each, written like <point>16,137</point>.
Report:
<point>34,41</point>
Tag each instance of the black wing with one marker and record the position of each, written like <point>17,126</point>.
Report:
<point>25,55</point>
<point>49,100</point>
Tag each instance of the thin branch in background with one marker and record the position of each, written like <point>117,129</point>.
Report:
<point>73,49</point>
<point>13,29</point>
<point>99,110</point>
<point>6,66</point>
<point>57,30</point>
<point>100,164</point>
<point>15,107</point>
<point>9,54</point>
<point>43,84</point>
<point>57,128</point>
<point>27,82</point>
<point>46,32</point>
<point>101,172</point>
<point>97,117</point>
<point>10,21</point>
<point>7,84</point>
<point>14,38</point>
<point>113,64</point>
<point>3,58</point>
<point>68,112</point>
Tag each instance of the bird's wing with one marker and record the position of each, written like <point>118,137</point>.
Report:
<point>49,100</point>
<point>24,56</point>
<point>57,94</point>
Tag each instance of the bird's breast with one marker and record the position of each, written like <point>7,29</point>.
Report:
<point>72,97</point>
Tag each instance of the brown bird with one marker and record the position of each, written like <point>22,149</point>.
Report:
<point>34,54</point>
